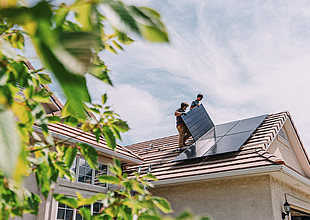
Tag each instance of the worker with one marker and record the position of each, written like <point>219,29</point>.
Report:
<point>197,101</point>
<point>184,133</point>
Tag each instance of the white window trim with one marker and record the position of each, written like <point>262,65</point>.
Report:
<point>76,210</point>
<point>77,170</point>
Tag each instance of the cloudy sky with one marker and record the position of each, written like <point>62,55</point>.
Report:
<point>247,57</point>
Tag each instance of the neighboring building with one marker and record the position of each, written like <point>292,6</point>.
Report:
<point>252,183</point>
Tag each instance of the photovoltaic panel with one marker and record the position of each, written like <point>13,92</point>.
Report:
<point>198,122</point>
<point>223,138</point>
<point>249,124</point>
<point>229,143</point>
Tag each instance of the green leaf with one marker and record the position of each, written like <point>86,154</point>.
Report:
<point>104,98</point>
<point>90,155</point>
<point>87,201</point>
<point>42,96</point>
<point>127,214</point>
<point>108,179</point>
<point>110,49</point>
<point>74,86</point>
<point>185,215</point>
<point>117,45</point>
<point>70,155</point>
<point>153,34</point>
<point>150,177</point>
<point>63,169</point>
<point>120,125</point>
<point>71,202</point>
<point>83,12</point>
<point>10,143</point>
<point>119,17</point>
<point>162,204</point>
<point>149,217</point>
<point>124,38</point>
<point>53,119</point>
<point>44,79</point>
<point>61,14</point>
<point>85,212</point>
<point>70,120</point>
<point>109,137</point>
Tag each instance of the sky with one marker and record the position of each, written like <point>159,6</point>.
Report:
<point>247,58</point>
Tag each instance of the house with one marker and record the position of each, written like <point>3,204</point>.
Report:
<point>254,182</point>
<point>270,168</point>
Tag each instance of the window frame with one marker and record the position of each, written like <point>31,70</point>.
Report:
<point>75,210</point>
<point>93,172</point>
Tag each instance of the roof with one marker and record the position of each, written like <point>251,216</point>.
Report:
<point>160,153</point>
<point>63,131</point>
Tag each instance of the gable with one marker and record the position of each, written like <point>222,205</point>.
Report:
<point>288,147</point>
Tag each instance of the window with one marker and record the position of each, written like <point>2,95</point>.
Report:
<point>78,216</point>
<point>66,213</point>
<point>102,170</point>
<point>96,207</point>
<point>85,174</point>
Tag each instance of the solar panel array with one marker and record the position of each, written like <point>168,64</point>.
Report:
<point>219,139</point>
<point>198,122</point>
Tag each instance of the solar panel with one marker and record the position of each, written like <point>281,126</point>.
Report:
<point>223,138</point>
<point>229,143</point>
<point>198,122</point>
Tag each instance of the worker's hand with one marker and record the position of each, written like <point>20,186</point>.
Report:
<point>184,113</point>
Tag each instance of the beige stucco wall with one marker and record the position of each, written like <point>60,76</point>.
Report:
<point>296,198</point>
<point>233,199</point>
<point>285,151</point>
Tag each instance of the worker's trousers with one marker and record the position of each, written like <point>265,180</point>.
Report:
<point>184,135</point>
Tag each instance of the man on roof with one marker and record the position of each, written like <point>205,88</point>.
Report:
<point>197,101</point>
<point>184,133</point>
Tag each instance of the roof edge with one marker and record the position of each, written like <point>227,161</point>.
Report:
<point>102,150</point>
<point>226,174</point>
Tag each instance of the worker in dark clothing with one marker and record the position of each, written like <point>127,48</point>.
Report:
<point>184,133</point>
<point>196,102</point>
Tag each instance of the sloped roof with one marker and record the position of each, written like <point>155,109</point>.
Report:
<point>89,138</point>
<point>160,153</point>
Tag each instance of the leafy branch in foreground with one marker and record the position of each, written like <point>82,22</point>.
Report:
<point>68,40</point>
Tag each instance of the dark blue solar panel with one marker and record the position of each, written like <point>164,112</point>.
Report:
<point>249,124</point>
<point>198,122</point>
<point>223,138</point>
<point>229,143</point>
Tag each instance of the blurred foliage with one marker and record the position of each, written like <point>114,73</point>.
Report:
<point>68,39</point>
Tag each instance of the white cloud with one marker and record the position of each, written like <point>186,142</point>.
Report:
<point>248,58</point>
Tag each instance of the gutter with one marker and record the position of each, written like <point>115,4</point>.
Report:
<point>226,174</point>
<point>296,176</point>
<point>100,149</point>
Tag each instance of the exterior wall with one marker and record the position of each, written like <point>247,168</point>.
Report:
<point>285,152</point>
<point>296,198</point>
<point>233,199</point>
<point>48,207</point>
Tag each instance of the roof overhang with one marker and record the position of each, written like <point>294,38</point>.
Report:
<point>106,152</point>
<point>281,172</point>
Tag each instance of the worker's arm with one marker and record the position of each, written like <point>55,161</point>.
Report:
<point>179,113</point>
